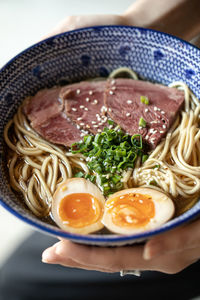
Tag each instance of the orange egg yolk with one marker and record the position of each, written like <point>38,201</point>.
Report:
<point>79,210</point>
<point>131,210</point>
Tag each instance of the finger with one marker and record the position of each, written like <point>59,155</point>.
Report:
<point>177,240</point>
<point>50,256</point>
<point>76,22</point>
<point>113,259</point>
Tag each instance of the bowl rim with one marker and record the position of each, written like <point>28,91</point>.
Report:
<point>101,238</point>
<point>94,28</point>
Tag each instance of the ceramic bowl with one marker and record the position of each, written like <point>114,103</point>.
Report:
<point>85,53</point>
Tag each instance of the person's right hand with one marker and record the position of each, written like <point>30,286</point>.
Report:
<point>170,253</point>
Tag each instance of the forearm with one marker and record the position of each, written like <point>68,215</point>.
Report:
<point>177,17</point>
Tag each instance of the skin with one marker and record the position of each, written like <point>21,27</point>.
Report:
<point>172,251</point>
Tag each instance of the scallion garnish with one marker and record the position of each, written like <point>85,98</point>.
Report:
<point>86,176</point>
<point>153,182</point>
<point>142,122</point>
<point>144,158</point>
<point>156,167</point>
<point>109,154</point>
<point>111,122</point>
<point>144,100</point>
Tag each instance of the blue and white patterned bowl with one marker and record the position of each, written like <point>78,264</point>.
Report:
<point>86,53</point>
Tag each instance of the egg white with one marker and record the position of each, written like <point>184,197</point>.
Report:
<point>71,186</point>
<point>164,210</point>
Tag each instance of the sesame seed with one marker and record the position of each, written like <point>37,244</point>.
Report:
<point>162,112</point>
<point>82,124</point>
<point>95,126</point>
<point>151,130</point>
<point>74,109</point>
<point>78,119</point>
<point>113,88</point>
<point>164,126</point>
<point>99,130</point>
<point>129,101</point>
<point>95,101</point>
<point>161,131</point>
<point>78,127</point>
<point>111,92</point>
<point>93,122</point>
<point>146,110</point>
<point>97,115</point>
<point>87,99</point>
<point>100,124</point>
<point>84,131</point>
<point>103,109</point>
<point>155,108</point>
<point>146,137</point>
<point>86,108</point>
<point>90,92</point>
<point>81,106</point>
<point>109,109</point>
<point>87,126</point>
<point>78,91</point>
<point>113,81</point>
<point>128,114</point>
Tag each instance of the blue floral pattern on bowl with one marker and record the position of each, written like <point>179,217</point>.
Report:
<point>86,53</point>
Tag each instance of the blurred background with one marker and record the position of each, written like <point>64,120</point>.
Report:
<point>23,23</point>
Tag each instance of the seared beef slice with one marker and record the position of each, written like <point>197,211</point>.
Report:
<point>124,105</point>
<point>45,111</point>
<point>84,104</point>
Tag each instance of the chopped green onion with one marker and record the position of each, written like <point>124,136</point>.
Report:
<point>144,158</point>
<point>92,178</point>
<point>79,174</point>
<point>156,167</point>
<point>111,122</point>
<point>110,153</point>
<point>153,182</point>
<point>144,99</point>
<point>142,122</point>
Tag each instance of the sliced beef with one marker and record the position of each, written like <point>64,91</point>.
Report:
<point>45,111</point>
<point>122,99</point>
<point>65,115</point>
<point>59,129</point>
<point>45,104</point>
<point>84,104</point>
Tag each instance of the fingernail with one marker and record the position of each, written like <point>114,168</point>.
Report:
<point>46,256</point>
<point>147,253</point>
<point>151,250</point>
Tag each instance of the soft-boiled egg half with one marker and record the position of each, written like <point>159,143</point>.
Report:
<point>78,206</point>
<point>135,210</point>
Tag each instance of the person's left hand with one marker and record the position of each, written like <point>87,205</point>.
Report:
<point>170,253</point>
<point>76,22</point>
